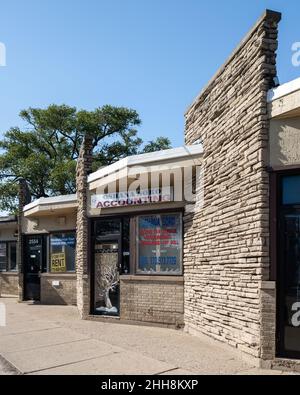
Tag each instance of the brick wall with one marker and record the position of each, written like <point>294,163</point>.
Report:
<point>63,294</point>
<point>149,299</point>
<point>9,284</point>
<point>226,253</point>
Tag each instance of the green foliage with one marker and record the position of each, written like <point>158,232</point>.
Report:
<point>159,144</point>
<point>45,153</point>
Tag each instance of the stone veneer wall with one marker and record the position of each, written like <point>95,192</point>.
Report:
<point>153,300</point>
<point>63,294</point>
<point>84,166</point>
<point>24,198</point>
<point>226,245</point>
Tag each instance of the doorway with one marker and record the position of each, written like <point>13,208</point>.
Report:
<point>110,259</point>
<point>288,276</point>
<point>106,278</point>
<point>33,266</point>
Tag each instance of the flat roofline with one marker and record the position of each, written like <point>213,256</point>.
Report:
<point>9,218</point>
<point>283,90</point>
<point>63,199</point>
<point>268,14</point>
<point>146,159</point>
<point>142,159</point>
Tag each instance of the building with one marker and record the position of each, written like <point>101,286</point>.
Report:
<point>131,253</point>
<point>226,262</point>
<point>241,248</point>
<point>8,256</point>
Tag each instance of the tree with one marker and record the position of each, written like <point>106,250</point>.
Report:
<point>107,278</point>
<point>45,153</point>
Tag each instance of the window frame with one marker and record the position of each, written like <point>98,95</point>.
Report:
<point>55,232</point>
<point>7,256</point>
<point>284,176</point>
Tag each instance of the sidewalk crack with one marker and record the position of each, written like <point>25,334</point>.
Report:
<point>72,363</point>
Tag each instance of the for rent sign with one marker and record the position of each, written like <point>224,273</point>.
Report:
<point>58,262</point>
<point>120,199</point>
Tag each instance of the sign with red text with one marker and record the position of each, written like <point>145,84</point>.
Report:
<point>132,198</point>
<point>159,240</point>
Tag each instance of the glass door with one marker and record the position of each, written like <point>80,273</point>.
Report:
<point>288,270</point>
<point>289,284</point>
<point>110,259</point>
<point>33,266</point>
<point>106,277</point>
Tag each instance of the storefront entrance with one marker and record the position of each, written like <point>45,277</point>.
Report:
<point>289,268</point>
<point>107,277</point>
<point>33,266</point>
<point>110,259</point>
<point>147,244</point>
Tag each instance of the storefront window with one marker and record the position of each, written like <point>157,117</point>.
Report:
<point>3,257</point>
<point>62,252</point>
<point>291,190</point>
<point>8,256</point>
<point>108,227</point>
<point>12,257</point>
<point>159,244</point>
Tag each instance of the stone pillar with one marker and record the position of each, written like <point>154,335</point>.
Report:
<point>24,198</point>
<point>268,321</point>
<point>84,166</point>
<point>226,242</point>
<point>267,292</point>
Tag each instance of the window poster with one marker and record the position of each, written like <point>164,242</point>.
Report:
<point>159,241</point>
<point>62,240</point>
<point>58,263</point>
<point>62,247</point>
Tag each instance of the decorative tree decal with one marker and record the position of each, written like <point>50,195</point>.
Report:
<point>107,276</point>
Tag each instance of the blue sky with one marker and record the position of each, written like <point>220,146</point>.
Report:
<point>150,55</point>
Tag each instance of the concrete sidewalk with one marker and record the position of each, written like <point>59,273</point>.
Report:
<point>53,340</point>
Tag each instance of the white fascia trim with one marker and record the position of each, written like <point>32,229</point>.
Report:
<point>173,153</point>
<point>283,90</point>
<point>52,200</point>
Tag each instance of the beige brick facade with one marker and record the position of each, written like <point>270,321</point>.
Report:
<point>62,294</point>
<point>9,284</point>
<point>153,300</point>
<point>226,254</point>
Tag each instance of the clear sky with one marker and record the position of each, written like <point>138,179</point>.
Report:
<point>150,55</point>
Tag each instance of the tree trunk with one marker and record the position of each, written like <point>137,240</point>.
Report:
<point>107,299</point>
